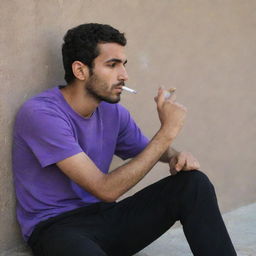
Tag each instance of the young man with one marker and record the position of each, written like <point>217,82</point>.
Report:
<point>64,141</point>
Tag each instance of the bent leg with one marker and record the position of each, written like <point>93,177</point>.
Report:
<point>201,219</point>
<point>128,226</point>
<point>142,218</point>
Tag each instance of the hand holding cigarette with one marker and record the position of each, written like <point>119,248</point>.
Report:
<point>168,93</point>
<point>171,114</point>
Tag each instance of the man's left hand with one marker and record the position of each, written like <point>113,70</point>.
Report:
<point>183,161</point>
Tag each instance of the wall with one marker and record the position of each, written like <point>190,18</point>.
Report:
<point>206,49</point>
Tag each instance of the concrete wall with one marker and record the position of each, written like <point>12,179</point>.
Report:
<point>204,48</point>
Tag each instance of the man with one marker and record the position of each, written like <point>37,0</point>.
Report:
<point>64,141</point>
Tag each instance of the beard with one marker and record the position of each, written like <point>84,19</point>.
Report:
<point>98,89</point>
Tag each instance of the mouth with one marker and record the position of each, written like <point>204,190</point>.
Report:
<point>118,89</point>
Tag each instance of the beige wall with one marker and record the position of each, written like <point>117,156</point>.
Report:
<point>204,48</point>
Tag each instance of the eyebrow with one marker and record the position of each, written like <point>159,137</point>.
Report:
<point>116,60</point>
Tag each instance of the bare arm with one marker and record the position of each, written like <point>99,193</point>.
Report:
<point>108,187</point>
<point>168,154</point>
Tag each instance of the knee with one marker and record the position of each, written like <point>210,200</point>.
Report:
<point>199,181</point>
<point>199,176</point>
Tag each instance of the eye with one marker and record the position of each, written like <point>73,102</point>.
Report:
<point>112,65</point>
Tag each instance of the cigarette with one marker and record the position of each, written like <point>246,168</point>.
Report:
<point>168,93</point>
<point>172,90</point>
<point>128,89</point>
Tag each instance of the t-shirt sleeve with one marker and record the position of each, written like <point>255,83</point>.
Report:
<point>131,141</point>
<point>48,134</point>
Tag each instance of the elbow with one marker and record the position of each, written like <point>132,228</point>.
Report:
<point>104,196</point>
<point>105,191</point>
<point>108,197</point>
<point>108,200</point>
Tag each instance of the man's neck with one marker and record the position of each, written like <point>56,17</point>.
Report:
<point>76,96</point>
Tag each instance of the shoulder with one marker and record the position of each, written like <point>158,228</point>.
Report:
<point>44,102</point>
<point>42,111</point>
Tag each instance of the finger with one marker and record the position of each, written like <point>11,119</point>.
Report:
<point>181,106</point>
<point>171,90</point>
<point>190,161</point>
<point>196,165</point>
<point>161,95</point>
<point>159,99</point>
<point>173,97</point>
<point>189,165</point>
<point>172,164</point>
<point>181,163</point>
<point>169,94</point>
<point>192,164</point>
<point>173,172</point>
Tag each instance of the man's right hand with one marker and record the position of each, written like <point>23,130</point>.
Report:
<point>171,114</point>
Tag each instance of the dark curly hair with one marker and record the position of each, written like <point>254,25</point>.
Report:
<point>80,43</point>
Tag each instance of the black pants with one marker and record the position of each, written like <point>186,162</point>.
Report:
<point>126,227</point>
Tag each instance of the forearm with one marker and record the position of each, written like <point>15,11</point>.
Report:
<point>108,187</point>
<point>168,154</point>
<point>126,176</point>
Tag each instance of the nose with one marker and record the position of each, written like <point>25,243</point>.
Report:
<point>123,75</point>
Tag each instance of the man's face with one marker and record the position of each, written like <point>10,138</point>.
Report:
<point>109,73</point>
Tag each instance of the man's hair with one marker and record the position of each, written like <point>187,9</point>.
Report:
<point>81,44</point>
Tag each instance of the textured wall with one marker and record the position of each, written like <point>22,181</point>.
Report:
<point>205,48</point>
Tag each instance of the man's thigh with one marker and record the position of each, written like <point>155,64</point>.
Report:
<point>137,221</point>
<point>123,228</point>
<point>66,241</point>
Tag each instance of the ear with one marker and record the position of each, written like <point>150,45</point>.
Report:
<point>80,70</point>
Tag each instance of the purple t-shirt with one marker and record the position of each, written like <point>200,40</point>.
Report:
<point>48,130</point>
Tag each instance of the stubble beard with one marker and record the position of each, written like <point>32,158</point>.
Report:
<point>94,86</point>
